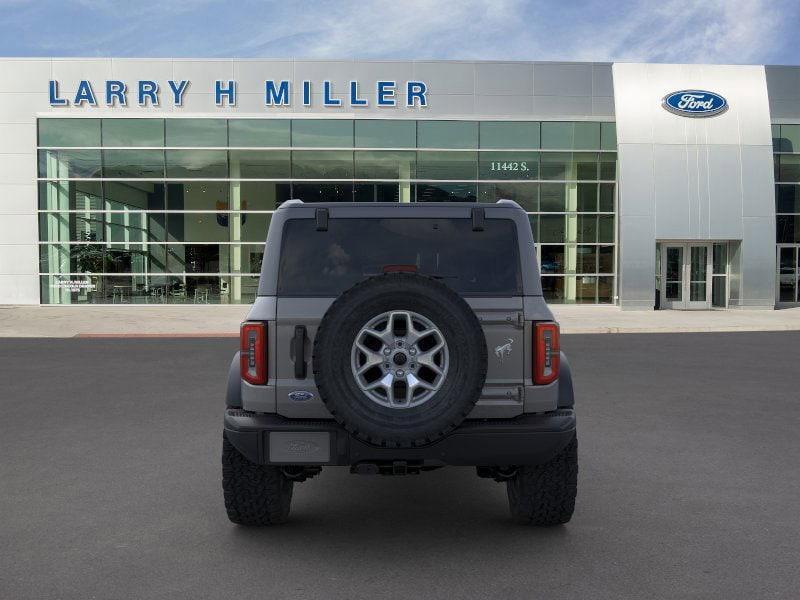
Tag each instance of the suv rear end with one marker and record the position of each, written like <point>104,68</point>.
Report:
<point>396,338</point>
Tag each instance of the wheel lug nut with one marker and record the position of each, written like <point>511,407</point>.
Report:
<point>399,343</point>
<point>412,351</point>
<point>400,373</point>
<point>387,351</point>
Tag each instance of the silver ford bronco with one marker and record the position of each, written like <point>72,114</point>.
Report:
<point>395,339</point>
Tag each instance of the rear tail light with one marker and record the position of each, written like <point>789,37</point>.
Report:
<point>546,353</point>
<point>253,352</point>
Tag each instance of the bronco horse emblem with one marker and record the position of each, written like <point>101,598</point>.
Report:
<point>503,351</point>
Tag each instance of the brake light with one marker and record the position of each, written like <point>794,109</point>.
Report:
<point>253,352</point>
<point>546,353</point>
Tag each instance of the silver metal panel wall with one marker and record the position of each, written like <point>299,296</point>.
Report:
<point>783,86</point>
<point>694,178</point>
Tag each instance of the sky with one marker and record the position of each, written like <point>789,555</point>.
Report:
<point>680,31</point>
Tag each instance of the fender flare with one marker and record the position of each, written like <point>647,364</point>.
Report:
<point>566,395</point>
<point>233,394</point>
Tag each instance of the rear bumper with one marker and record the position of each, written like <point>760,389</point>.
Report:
<point>525,440</point>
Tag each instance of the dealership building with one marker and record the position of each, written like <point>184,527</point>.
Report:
<point>152,181</point>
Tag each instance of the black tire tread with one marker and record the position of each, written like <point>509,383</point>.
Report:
<point>254,494</point>
<point>544,495</point>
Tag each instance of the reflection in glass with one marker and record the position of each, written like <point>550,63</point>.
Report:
<point>322,133</point>
<point>524,194</point>
<point>509,134</point>
<point>63,164</point>
<point>133,132</point>
<point>65,133</point>
<point>509,165</point>
<point>197,164</point>
<point>447,165</point>
<point>260,164</point>
<point>322,164</point>
<point>198,195</point>
<point>132,164</point>
<point>447,134</point>
<point>198,133</point>
<point>447,192</point>
<point>385,165</point>
<point>258,133</point>
<point>384,133</point>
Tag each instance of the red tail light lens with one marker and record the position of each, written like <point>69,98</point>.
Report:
<point>253,352</point>
<point>546,353</point>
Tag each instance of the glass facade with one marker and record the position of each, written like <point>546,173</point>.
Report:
<point>176,210</point>
<point>786,148</point>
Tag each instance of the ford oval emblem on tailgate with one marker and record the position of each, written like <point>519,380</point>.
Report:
<point>300,396</point>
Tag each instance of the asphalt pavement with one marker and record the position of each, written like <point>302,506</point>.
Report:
<point>689,484</point>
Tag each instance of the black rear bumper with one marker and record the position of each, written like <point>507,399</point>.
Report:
<point>525,440</point>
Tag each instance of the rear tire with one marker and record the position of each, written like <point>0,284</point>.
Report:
<point>545,494</point>
<point>254,494</point>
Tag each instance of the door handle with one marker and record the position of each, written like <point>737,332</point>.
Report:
<point>300,352</point>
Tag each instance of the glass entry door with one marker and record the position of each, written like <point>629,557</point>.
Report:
<point>686,276</point>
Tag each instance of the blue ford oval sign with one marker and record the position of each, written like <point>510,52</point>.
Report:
<point>695,103</point>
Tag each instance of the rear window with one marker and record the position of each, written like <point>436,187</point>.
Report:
<point>326,263</point>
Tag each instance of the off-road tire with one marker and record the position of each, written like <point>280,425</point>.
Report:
<point>545,494</point>
<point>391,427</point>
<point>254,494</point>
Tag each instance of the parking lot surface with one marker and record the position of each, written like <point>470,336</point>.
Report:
<point>689,484</point>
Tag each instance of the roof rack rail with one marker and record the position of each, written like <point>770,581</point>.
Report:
<point>507,202</point>
<point>292,202</point>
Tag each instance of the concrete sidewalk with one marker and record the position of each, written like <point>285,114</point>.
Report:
<point>223,320</point>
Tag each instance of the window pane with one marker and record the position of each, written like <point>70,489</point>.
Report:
<point>133,132</point>
<point>260,164</point>
<point>790,138</point>
<point>70,195</point>
<point>776,138</point>
<point>509,165</point>
<point>606,197</point>
<point>385,165</point>
<point>270,133</point>
<point>553,288</point>
<point>447,134</point>
<point>585,166</point>
<point>471,262</point>
<point>383,192</point>
<point>524,194</point>
<point>197,132</point>
<point>69,132</point>
<point>198,195</point>
<point>71,227</point>
<point>447,165</point>
<point>608,166</point>
<point>553,197</point>
<point>586,259</point>
<point>380,133</point>
<point>552,229</point>
<point>127,195</point>
<point>787,198</point>
<point>133,164</point>
<point>322,133</point>
<point>62,164</point>
<point>587,136</point>
<point>605,290</point>
<point>261,195</point>
<point>789,170</point>
<point>788,229</point>
<point>134,226</point>
<point>322,164</point>
<point>323,192</point>
<point>606,229</point>
<point>720,263</point>
<point>586,289</point>
<point>556,165</point>
<point>134,258</point>
<point>557,135</point>
<point>197,163</point>
<point>447,192</point>
<point>215,258</point>
<point>552,259</point>
<point>587,229</point>
<point>199,227</point>
<point>587,197</point>
<point>255,226</point>
<point>509,134</point>
<point>605,259</point>
<point>608,136</point>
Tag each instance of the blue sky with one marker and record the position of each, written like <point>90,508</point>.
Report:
<point>711,31</point>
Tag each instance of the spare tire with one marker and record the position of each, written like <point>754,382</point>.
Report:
<point>399,360</point>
